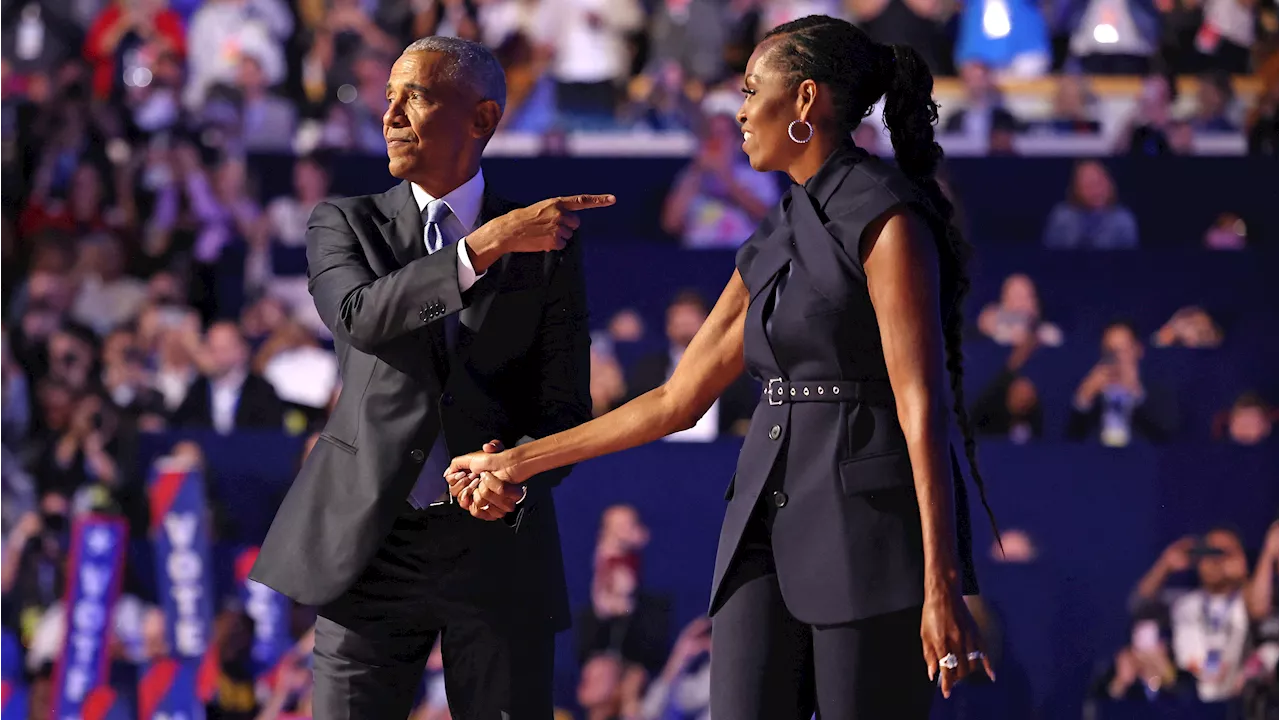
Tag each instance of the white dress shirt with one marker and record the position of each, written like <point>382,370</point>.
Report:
<point>225,399</point>
<point>465,202</point>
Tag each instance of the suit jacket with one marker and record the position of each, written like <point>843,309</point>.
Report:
<point>847,540</point>
<point>519,368</point>
<point>259,406</point>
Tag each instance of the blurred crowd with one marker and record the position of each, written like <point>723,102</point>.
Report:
<point>268,75</point>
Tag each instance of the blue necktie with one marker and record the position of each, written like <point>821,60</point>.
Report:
<point>431,484</point>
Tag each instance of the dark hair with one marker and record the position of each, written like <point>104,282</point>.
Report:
<point>1123,324</point>
<point>689,297</point>
<point>1249,399</point>
<point>858,71</point>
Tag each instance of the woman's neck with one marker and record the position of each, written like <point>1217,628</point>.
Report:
<point>815,153</point>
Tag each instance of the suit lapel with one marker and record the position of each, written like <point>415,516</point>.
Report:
<point>403,228</point>
<point>404,233</point>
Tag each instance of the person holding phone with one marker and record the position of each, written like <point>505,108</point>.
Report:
<point>1209,623</point>
<point>1113,402</point>
<point>1144,670</point>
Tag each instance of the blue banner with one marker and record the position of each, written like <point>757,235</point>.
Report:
<point>180,539</point>
<point>270,612</point>
<point>13,699</point>
<point>95,568</point>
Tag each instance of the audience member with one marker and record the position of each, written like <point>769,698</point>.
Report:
<point>1190,327</point>
<point>228,396</point>
<point>1249,421</point>
<point>1017,317</point>
<point>728,415</point>
<point>1092,216</point>
<point>683,689</point>
<point>1113,404</point>
<point>1009,406</point>
<point>1210,623</point>
<point>717,200</point>
<point>1145,672</point>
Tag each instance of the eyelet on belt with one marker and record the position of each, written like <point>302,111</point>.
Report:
<point>819,389</point>
<point>806,392</point>
<point>835,390</point>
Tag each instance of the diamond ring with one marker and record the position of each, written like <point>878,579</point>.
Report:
<point>949,661</point>
<point>976,655</point>
<point>484,507</point>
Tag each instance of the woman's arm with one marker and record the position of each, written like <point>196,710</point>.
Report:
<point>902,266</point>
<point>901,262</point>
<point>712,361</point>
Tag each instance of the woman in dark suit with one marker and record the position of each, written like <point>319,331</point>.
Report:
<point>845,551</point>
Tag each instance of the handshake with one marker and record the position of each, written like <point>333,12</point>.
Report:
<point>486,483</point>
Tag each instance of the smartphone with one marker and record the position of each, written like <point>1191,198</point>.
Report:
<point>172,317</point>
<point>1146,635</point>
<point>1203,549</point>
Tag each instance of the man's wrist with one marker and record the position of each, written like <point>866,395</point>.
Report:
<point>481,252</point>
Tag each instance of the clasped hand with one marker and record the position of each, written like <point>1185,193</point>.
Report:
<point>484,483</point>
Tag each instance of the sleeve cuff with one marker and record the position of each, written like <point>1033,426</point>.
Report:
<point>467,275</point>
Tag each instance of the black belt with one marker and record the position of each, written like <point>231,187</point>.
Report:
<point>778,391</point>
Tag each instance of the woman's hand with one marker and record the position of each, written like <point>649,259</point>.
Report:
<point>484,483</point>
<point>947,628</point>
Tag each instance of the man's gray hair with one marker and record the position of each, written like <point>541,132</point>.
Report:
<point>470,64</point>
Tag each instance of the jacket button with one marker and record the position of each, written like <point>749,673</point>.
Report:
<point>417,455</point>
<point>780,499</point>
<point>775,432</point>
<point>446,399</point>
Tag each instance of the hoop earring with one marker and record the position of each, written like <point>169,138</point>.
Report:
<point>791,131</point>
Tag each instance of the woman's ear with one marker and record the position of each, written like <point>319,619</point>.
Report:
<point>806,99</point>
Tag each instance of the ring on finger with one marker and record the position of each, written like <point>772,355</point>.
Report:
<point>977,655</point>
<point>949,661</point>
<point>484,507</point>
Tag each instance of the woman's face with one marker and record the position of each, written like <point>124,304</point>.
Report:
<point>1093,186</point>
<point>770,105</point>
<point>1019,295</point>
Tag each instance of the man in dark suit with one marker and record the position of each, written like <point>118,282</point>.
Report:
<point>443,349</point>
<point>729,415</point>
<point>228,397</point>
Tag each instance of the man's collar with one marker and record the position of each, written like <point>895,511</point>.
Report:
<point>464,201</point>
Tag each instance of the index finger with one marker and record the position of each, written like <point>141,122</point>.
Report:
<point>586,202</point>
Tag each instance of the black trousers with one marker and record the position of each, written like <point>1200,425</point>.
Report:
<point>433,577</point>
<point>767,665</point>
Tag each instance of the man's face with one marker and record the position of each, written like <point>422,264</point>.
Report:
<point>1249,425</point>
<point>1120,343</point>
<point>683,322</point>
<point>431,122</point>
<point>622,523</point>
<point>226,348</point>
<point>1226,570</point>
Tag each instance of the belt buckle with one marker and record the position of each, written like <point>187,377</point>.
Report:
<point>770,393</point>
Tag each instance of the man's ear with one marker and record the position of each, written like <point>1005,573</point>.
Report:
<point>486,119</point>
